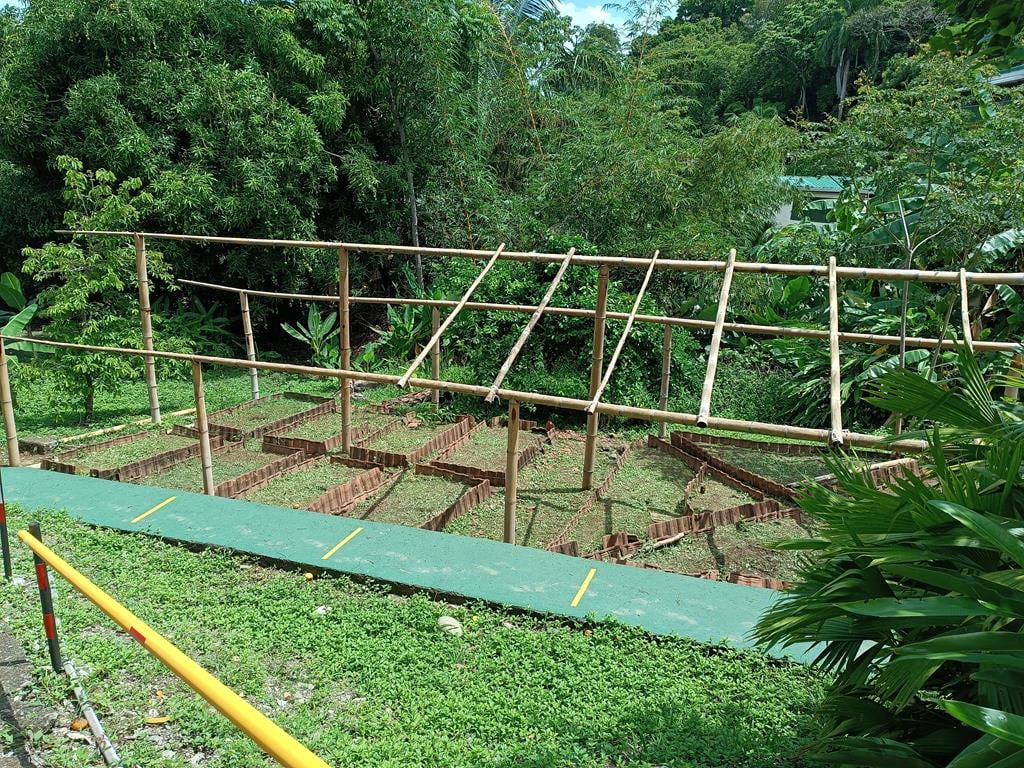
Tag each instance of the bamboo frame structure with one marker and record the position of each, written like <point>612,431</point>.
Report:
<point>250,344</point>
<point>835,374</point>
<point>146,316</point>
<point>625,335</point>
<point>511,472</point>
<point>534,318</point>
<point>716,342</point>
<point>403,381</point>
<point>666,370</point>
<point>965,310</point>
<point>596,370</point>
<point>7,404</point>
<point>435,354</point>
<point>202,427</point>
<point>345,355</point>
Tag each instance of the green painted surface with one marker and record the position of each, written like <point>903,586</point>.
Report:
<point>537,580</point>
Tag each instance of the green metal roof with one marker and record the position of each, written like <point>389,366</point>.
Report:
<point>814,183</point>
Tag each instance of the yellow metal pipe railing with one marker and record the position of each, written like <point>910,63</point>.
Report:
<point>253,723</point>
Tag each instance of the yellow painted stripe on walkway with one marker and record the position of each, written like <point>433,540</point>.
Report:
<point>583,587</point>
<point>341,543</point>
<point>158,507</point>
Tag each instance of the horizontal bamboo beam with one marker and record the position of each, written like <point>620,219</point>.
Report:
<point>915,342</point>
<point>592,408</point>
<point>550,401</point>
<point>534,318</point>
<point>853,273</point>
<point>436,338</point>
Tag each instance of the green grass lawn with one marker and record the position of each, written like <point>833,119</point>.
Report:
<point>125,453</point>
<point>365,678</point>
<point>188,475</point>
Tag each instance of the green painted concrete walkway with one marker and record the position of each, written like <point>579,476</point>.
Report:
<point>534,579</point>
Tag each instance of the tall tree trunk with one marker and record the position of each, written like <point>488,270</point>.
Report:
<point>414,217</point>
<point>842,82</point>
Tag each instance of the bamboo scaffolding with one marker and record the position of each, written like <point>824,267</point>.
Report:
<point>7,404</point>
<point>666,369</point>
<point>404,380</point>
<point>835,373</point>
<point>511,471</point>
<point>716,342</point>
<point>345,356</point>
<point>250,345</point>
<point>750,329</point>
<point>625,334</point>
<point>203,427</point>
<point>843,273</point>
<point>435,354</point>
<point>596,369</point>
<point>146,313</point>
<point>965,310</point>
<point>534,318</point>
<point>536,398</point>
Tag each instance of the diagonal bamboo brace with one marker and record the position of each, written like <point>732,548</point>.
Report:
<point>704,411</point>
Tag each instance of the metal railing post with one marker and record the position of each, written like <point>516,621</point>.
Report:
<point>46,600</point>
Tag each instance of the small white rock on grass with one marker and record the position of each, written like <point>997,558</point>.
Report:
<point>450,625</point>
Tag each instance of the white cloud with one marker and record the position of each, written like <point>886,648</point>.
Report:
<point>582,15</point>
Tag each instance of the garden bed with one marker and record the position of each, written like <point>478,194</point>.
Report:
<point>303,484</point>
<point>231,462</point>
<point>323,434</point>
<point>482,452</point>
<point>408,498</point>
<point>255,418</point>
<point>129,456</point>
<point>407,445</point>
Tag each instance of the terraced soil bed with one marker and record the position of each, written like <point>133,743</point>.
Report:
<point>648,489</point>
<point>328,426</point>
<point>302,487</point>
<point>549,493</point>
<point>487,446</point>
<point>775,466</point>
<point>188,476</point>
<point>406,439</point>
<point>119,455</point>
<point>410,500</point>
<point>742,547</point>
<point>261,412</point>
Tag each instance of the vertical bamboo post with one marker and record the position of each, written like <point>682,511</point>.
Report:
<point>346,350</point>
<point>1013,393</point>
<point>511,471</point>
<point>666,368</point>
<point>7,403</point>
<point>147,326</point>
<point>435,354</point>
<point>203,427</point>
<point>596,365</point>
<point>704,412</point>
<point>250,345</point>
<point>835,373</point>
<point>965,309</point>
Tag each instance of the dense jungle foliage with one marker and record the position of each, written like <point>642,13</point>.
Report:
<point>473,123</point>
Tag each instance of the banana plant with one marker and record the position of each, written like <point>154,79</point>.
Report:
<point>320,334</point>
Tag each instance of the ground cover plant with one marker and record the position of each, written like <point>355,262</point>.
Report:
<point>119,455</point>
<point>260,412</point>
<point>329,425</point>
<point>549,493</point>
<point>410,499</point>
<point>406,439</point>
<point>365,678</point>
<point>487,448</point>
<point>188,475</point>
<point>299,488</point>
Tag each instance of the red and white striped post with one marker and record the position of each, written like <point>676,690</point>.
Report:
<point>46,598</point>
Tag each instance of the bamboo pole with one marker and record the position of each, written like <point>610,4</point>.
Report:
<point>7,403</point>
<point>511,471</point>
<point>716,343</point>
<point>844,273</point>
<point>203,427</point>
<point>622,339</point>
<point>534,318</point>
<point>596,369</point>
<point>435,354</point>
<point>965,310</point>
<point>475,390</point>
<point>666,369</point>
<point>146,313</point>
<point>835,373</point>
<point>681,322</point>
<point>250,345</point>
<point>404,380</point>
<point>345,358</point>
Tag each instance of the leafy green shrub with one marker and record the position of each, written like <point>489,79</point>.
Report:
<point>915,594</point>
